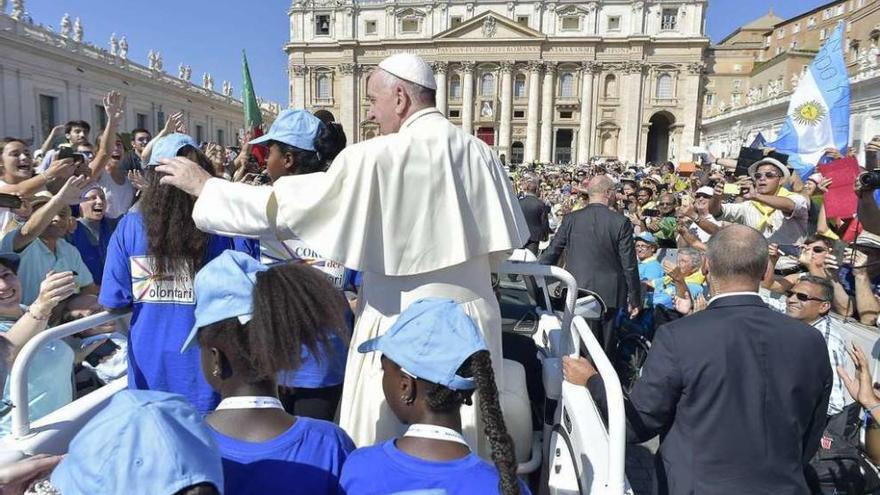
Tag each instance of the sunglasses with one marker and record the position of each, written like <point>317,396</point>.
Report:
<point>704,196</point>
<point>802,297</point>
<point>665,204</point>
<point>769,175</point>
<point>815,249</point>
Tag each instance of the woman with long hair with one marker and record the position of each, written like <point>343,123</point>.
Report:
<point>151,261</point>
<point>248,319</point>
<point>433,359</point>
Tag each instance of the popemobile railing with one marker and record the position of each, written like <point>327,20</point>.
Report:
<point>18,389</point>
<point>579,332</point>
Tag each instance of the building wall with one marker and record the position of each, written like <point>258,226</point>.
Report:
<point>37,62</point>
<point>546,45</point>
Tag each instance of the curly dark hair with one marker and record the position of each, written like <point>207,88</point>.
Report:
<point>441,399</point>
<point>294,306</point>
<point>173,239</point>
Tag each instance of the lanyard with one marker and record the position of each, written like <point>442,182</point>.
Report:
<point>435,432</point>
<point>249,402</point>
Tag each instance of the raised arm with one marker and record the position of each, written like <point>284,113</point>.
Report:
<point>70,193</point>
<point>54,289</point>
<point>114,107</point>
<point>174,123</point>
<point>47,144</point>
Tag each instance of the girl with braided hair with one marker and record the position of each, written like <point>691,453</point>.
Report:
<point>433,358</point>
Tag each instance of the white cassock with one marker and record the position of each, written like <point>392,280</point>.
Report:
<point>420,213</point>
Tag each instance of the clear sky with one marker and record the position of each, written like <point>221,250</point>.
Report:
<point>210,34</point>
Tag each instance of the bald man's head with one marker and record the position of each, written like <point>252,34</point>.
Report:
<point>737,252</point>
<point>599,186</point>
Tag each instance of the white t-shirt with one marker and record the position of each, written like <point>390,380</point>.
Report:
<point>6,214</point>
<point>780,229</point>
<point>119,196</point>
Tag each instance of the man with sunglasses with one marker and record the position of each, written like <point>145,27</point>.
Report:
<point>769,208</point>
<point>810,302</point>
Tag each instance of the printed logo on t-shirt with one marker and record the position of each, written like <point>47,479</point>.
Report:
<point>151,287</point>
<point>296,250</point>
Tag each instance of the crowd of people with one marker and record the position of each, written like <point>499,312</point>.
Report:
<point>285,312</point>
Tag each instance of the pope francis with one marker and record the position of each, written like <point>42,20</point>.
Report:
<point>422,211</point>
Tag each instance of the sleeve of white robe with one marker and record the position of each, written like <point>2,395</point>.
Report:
<point>234,209</point>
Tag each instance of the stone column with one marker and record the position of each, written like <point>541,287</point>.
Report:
<point>442,91</point>
<point>585,128</point>
<point>547,110</point>
<point>506,109</point>
<point>629,147</point>
<point>299,73</point>
<point>687,91</point>
<point>348,100</point>
<point>467,97</point>
<point>531,151</point>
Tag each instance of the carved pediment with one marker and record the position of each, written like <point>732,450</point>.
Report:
<point>490,25</point>
<point>408,13</point>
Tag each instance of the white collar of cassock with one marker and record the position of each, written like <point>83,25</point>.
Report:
<point>421,113</point>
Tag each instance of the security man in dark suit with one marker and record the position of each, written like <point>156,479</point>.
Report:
<point>536,213</point>
<point>600,253</point>
<point>738,392</point>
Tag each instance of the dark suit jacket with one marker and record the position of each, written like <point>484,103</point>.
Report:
<point>739,394</point>
<point>600,253</point>
<point>536,213</point>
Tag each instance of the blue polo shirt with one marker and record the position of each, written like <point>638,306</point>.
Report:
<point>37,261</point>
<point>163,307</point>
<point>93,250</point>
<point>650,268</point>
<point>384,468</point>
<point>307,458</point>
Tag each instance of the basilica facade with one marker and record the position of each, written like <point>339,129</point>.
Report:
<point>547,81</point>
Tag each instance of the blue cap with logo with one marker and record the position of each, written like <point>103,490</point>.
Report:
<point>298,128</point>
<point>430,340</point>
<point>168,146</point>
<point>144,441</point>
<point>224,288</point>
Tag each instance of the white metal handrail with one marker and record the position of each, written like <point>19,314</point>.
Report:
<point>580,331</point>
<point>18,389</point>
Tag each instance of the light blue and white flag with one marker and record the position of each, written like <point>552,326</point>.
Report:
<point>818,113</point>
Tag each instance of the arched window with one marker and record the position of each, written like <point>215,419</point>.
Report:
<point>519,86</point>
<point>610,86</point>
<point>566,85</point>
<point>323,87</point>
<point>455,87</point>
<point>664,87</point>
<point>487,85</point>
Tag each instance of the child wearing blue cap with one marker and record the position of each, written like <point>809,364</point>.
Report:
<point>152,258</point>
<point>300,143</point>
<point>433,358</point>
<point>248,318</point>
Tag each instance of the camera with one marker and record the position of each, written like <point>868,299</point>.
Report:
<point>870,181</point>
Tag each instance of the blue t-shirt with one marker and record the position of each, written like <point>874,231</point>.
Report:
<point>329,369</point>
<point>384,468</point>
<point>163,308</point>
<point>650,269</point>
<point>93,251</point>
<point>664,294</point>
<point>307,458</point>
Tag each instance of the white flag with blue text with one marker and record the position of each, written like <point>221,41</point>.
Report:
<point>818,113</point>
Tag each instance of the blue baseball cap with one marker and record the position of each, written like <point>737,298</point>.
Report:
<point>430,340</point>
<point>168,146</point>
<point>11,258</point>
<point>224,288</point>
<point>144,441</point>
<point>298,128</point>
<point>646,237</point>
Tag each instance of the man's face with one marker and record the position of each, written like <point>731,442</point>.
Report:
<point>767,179</point>
<point>77,135</point>
<point>383,104</point>
<point>140,140</point>
<point>815,254</point>
<point>628,190</point>
<point>685,264</point>
<point>93,205</point>
<point>644,250</point>
<point>17,162</point>
<point>643,197</point>
<point>666,205</point>
<point>809,310</point>
<point>59,226</point>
